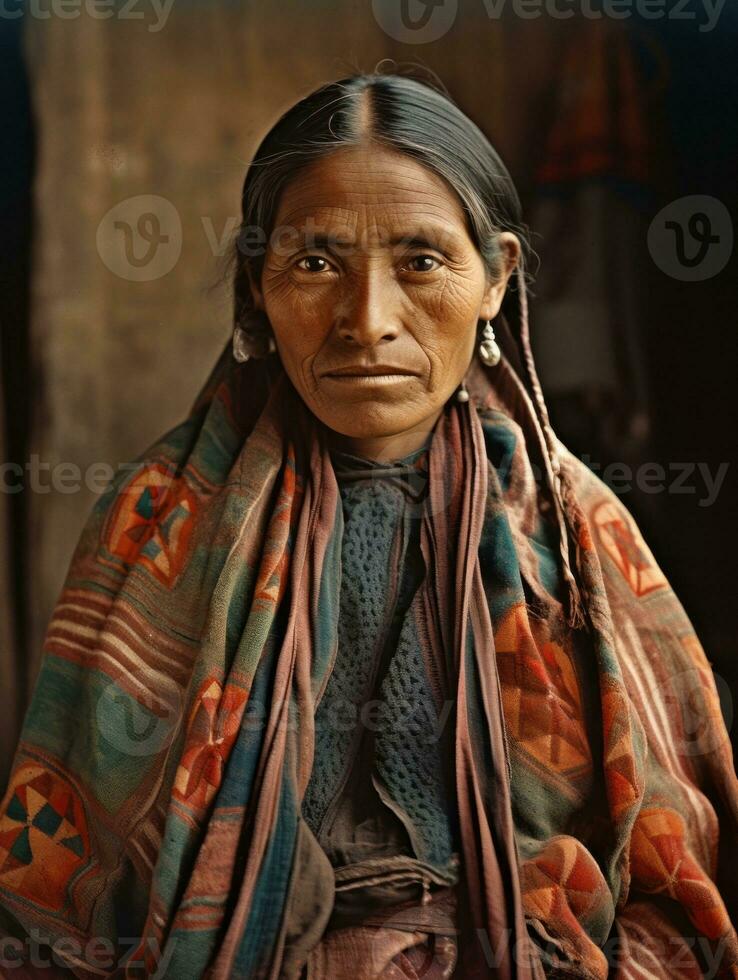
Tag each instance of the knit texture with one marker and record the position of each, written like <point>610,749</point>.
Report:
<point>378,705</point>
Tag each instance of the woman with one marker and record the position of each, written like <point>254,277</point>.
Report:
<point>360,673</point>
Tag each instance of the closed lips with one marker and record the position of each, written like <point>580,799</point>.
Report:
<point>364,371</point>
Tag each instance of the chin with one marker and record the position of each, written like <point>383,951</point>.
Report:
<point>368,423</point>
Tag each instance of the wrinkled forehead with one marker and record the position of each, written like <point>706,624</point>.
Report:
<point>370,195</point>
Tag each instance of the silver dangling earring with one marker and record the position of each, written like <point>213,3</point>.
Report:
<point>462,395</point>
<point>241,347</point>
<point>258,341</point>
<point>488,350</point>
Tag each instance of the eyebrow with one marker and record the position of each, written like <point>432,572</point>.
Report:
<point>422,241</point>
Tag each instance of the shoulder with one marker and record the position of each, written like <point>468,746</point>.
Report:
<point>642,601</point>
<point>615,535</point>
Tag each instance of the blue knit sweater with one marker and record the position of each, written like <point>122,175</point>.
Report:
<point>381,782</point>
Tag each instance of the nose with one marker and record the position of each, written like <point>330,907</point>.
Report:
<point>370,311</point>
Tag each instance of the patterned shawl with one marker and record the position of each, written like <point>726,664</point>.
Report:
<point>152,819</point>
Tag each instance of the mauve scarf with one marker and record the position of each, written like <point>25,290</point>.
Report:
<point>152,819</point>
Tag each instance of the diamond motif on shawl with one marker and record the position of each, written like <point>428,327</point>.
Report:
<point>272,578</point>
<point>214,722</point>
<point>624,545</point>
<point>661,862</point>
<point>152,523</point>
<point>540,695</point>
<point>43,836</point>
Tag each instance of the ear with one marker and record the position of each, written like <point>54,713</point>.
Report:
<point>256,292</point>
<point>495,292</point>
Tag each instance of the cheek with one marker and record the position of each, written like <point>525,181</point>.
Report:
<point>301,325</point>
<point>282,298</point>
<point>298,317</point>
<point>461,298</point>
<point>451,320</point>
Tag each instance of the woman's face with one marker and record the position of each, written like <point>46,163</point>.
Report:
<point>371,269</point>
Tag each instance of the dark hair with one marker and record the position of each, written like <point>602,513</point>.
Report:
<point>395,111</point>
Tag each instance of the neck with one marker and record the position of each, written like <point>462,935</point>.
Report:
<point>383,449</point>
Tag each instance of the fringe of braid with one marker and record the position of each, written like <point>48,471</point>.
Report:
<point>567,509</point>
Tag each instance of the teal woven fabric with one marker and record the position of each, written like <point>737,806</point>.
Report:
<point>379,718</point>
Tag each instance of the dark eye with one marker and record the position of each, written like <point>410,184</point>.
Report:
<point>423,263</point>
<point>313,263</point>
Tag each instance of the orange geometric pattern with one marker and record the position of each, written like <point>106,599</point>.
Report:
<point>624,545</point>
<point>273,571</point>
<point>214,722</point>
<point>540,694</point>
<point>662,862</point>
<point>152,523</point>
<point>623,774</point>
<point>563,884</point>
<point>43,836</point>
